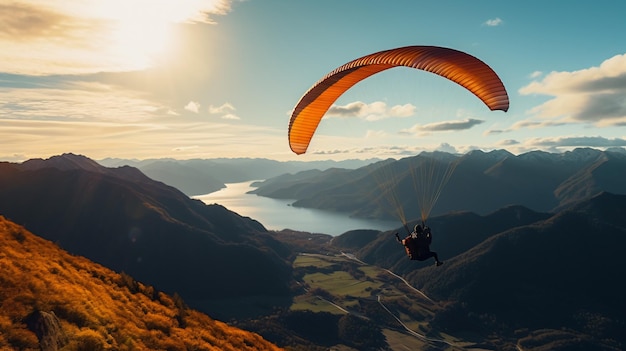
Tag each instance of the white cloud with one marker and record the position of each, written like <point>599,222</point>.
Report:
<point>224,108</point>
<point>230,116</point>
<point>78,101</point>
<point>374,111</point>
<point>494,22</point>
<point>175,137</point>
<point>376,134</point>
<point>592,95</point>
<point>445,147</point>
<point>192,106</point>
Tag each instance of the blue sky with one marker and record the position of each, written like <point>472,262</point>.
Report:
<point>204,79</point>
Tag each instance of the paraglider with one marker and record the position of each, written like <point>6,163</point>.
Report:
<point>459,67</point>
<point>417,244</point>
<point>462,68</point>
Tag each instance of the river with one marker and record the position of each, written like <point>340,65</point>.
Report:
<point>277,214</point>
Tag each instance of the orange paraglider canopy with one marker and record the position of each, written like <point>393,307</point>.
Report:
<point>459,67</point>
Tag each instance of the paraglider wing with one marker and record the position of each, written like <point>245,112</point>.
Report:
<point>457,66</point>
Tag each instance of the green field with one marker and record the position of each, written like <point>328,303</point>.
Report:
<point>337,284</point>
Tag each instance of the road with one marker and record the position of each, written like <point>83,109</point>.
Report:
<point>418,291</point>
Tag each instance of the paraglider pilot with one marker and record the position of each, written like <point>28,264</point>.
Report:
<point>417,244</point>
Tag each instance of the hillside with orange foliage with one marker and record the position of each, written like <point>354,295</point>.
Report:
<point>93,307</point>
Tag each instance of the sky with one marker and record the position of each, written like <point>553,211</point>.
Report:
<point>185,79</point>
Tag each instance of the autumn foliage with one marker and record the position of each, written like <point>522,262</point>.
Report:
<point>98,309</point>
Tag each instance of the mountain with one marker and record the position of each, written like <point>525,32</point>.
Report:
<point>453,234</point>
<point>51,300</point>
<point>543,281</point>
<point>564,271</point>
<point>577,245</point>
<point>479,182</point>
<point>122,219</point>
<point>203,176</point>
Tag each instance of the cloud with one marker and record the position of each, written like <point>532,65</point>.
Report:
<point>370,112</point>
<point>443,126</point>
<point>78,101</point>
<point>495,131</point>
<point>582,141</point>
<point>28,22</point>
<point>330,152</point>
<point>224,108</point>
<point>386,151</point>
<point>529,124</point>
<point>445,147</point>
<point>592,95</point>
<point>230,116</point>
<point>376,134</point>
<point>192,106</point>
<point>90,36</point>
<point>494,22</point>
<point>507,142</point>
<point>162,138</point>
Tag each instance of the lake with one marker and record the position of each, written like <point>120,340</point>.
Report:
<point>277,214</point>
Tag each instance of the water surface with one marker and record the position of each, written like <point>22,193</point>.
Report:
<point>277,214</point>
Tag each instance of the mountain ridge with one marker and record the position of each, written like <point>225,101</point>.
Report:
<point>203,176</point>
<point>144,227</point>
<point>481,182</point>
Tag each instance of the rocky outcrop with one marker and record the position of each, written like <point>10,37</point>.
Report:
<point>48,329</point>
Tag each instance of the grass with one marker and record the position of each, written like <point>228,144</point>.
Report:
<point>98,309</point>
<point>314,304</point>
<point>352,285</point>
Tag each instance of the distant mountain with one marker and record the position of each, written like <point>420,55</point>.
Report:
<point>480,182</point>
<point>124,220</point>
<point>549,281</point>
<point>203,176</point>
<point>51,300</point>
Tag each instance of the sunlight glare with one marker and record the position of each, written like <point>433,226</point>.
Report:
<point>140,43</point>
<point>140,32</point>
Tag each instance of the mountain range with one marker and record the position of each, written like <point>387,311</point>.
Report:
<point>547,280</point>
<point>203,176</point>
<point>122,219</point>
<point>480,182</point>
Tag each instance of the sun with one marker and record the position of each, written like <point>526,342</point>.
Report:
<point>88,36</point>
<point>140,43</point>
<point>138,33</point>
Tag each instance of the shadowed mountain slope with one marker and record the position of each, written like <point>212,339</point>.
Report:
<point>565,270</point>
<point>50,300</point>
<point>453,234</point>
<point>545,281</point>
<point>126,221</point>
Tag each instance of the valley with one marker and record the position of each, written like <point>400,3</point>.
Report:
<point>354,286</point>
<point>511,280</point>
